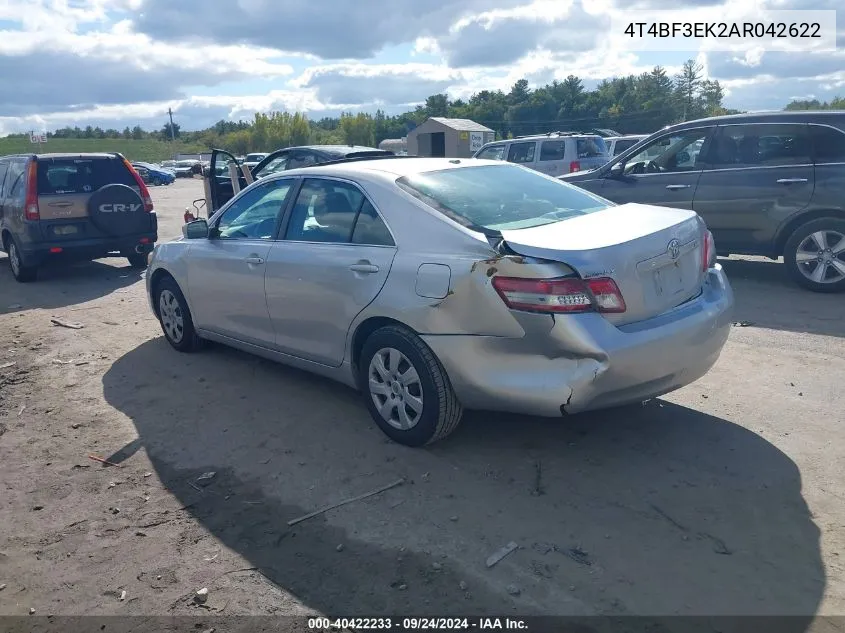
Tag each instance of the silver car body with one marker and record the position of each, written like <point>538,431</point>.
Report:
<point>310,305</point>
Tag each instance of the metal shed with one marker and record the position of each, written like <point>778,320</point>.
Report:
<point>450,138</point>
<point>395,145</point>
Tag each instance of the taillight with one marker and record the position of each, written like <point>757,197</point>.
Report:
<point>565,294</point>
<point>31,211</point>
<point>574,166</point>
<point>708,257</point>
<point>145,193</point>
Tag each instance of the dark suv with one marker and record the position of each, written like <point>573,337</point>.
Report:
<point>73,207</point>
<point>768,184</point>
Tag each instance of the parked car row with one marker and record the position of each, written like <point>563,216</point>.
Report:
<point>154,174</point>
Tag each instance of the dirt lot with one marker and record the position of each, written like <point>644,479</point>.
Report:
<point>727,497</point>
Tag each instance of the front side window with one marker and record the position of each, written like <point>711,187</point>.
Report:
<point>760,145</point>
<point>624,144</point>
<point>275,165</point>
<point>255,214</point>
<point>521,152</point>
<point>672,153</point>
<point>494,198</point>
<point>494,152</point>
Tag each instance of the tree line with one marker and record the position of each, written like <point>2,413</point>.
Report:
<point>636,104</point>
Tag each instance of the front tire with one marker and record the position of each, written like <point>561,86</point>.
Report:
<point>175,317</point>
<point>20,272</point>
<point>815,255</point>
<point>406,389</point>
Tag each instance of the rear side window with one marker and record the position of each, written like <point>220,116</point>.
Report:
<point>521,152</point>
<point>57,176</point>
<point>769,145</point>
<point>591,147</point>
<point>16,179</point>
<point>829,144</point>
<point>4,167</point>
<point>552,150</point>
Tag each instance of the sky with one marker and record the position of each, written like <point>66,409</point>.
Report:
<point>117,63</point>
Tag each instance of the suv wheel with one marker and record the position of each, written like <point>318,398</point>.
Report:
<point>406,388</point>
<point>815,255</point>
<point>137,260</point>
<point>20,272</point>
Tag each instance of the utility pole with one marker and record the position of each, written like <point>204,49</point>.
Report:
<point>172,131</point>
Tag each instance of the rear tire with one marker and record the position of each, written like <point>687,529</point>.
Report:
<point>175,316</point>
<point>20,272</point>
<point>406,389</point>
<point>156,182</point>
<point>137,260</point>
<point>813,265</point>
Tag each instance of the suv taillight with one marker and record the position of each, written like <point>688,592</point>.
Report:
<point>31,211</point>
<point>708,257</point>
<point>565,294</point>
<point>145,193</point>
<point>574,166</point>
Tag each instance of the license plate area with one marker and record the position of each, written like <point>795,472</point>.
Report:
<point>669,280</point>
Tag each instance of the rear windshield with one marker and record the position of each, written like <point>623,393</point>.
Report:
<point>80,175</point>
<point>591,147</point>
<point>254,158</point>
<point>494,198</point>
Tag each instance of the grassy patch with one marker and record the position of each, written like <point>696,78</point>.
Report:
<point>150,150</point>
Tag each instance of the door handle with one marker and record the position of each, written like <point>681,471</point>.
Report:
<point>674,187</point>
<point>363,267</point>
<point>254,260</point>
<point>789,181</point>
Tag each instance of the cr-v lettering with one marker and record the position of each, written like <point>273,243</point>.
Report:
<point>119,208</point>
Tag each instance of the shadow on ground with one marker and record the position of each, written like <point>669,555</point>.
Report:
<point>61,286</point>
<point>766,297</point>
<point>655,510</point>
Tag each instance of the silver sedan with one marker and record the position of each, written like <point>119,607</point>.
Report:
<point>433,285</point>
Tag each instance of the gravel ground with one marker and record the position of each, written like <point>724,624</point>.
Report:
<point>723,498</point>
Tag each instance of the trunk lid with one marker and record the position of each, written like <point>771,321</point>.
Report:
<point>654,254</point>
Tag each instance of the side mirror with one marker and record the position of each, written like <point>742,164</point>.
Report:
<point>196,230</point>
<point>617,171</point>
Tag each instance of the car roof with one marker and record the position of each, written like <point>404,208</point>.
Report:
<point>792,116</point>
<point>395,167</point>
<point>74,155</point>
<point>342,149</point>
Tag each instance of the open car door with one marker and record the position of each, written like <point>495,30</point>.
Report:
<point>225,178</point>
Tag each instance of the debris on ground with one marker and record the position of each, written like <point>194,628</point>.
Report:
<point>75,425</point>
<point>31,611</point>
<point>578,555</point>
<point>372,493</point>
<point>2,586</point>
<point>339,548</point>
<point>9,364</point>
<point>201,596</point>
<point>437,566</point>
<point>123,595</point>
<point>462,586</point>
<point>205,478</point>
<point>513,590</point>
<point>742,323</point>
<point>538,479</point>
<point>104,461</point>
<point>499,554</point>
<point>73,325</point>
<point>147,475</point>
<point>453,518</point>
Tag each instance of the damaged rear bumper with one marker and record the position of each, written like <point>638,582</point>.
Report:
<point>573,363</point>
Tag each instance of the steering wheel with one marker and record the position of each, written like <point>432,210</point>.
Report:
<point>644,167</point>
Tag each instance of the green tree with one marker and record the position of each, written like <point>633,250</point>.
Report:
<point>687,86</point>
<point>358,129</point>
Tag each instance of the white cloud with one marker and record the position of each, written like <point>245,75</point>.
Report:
<point>117,62</point>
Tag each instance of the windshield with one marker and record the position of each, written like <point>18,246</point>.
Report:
<point>494,198</point>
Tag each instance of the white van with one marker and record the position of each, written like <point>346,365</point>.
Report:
<point>555,154</point>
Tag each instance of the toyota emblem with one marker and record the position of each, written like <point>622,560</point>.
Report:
<point>674,249</point>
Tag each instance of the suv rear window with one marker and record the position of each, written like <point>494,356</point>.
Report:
<point>591,147</point>
<point>80,175</point>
